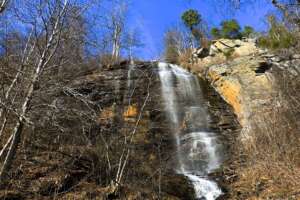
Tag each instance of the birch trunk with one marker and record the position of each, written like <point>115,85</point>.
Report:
<point>20,124</point>
<point>116,42</point>
<point>46,56</point>
<point>25,59</point>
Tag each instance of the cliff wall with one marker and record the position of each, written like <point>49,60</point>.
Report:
<point>263,90</point>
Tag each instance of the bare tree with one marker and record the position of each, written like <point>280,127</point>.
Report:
<point>117,36</point>
<point>25,57</point>
<point>131,42</point>
<point>177,42</point>
<point>117,23</point>
<point>52,27</point>
<point>127,151</point>
<point>289,8</point>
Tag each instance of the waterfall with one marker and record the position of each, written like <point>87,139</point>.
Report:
<point>197,148</point>
<point>130,82</point>
<point>129,74</point>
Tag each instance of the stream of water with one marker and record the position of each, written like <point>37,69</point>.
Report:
<point>197,147</point>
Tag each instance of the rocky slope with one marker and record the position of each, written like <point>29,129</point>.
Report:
<point>263,90</point>
<point>245,78</point>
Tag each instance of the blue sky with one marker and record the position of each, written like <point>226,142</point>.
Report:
<point>153,17</point>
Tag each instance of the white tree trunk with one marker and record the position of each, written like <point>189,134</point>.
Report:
<point>25,59</point>
<point>20,124</point>
<point>46,56</point>
<point>116,42</point>
<point>5,147</point>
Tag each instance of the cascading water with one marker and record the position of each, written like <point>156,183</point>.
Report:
<point>196,146</point>
<point>129,74</point>
<point>130,81</point>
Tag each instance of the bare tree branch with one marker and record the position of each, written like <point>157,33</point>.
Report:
<point>3,5</point>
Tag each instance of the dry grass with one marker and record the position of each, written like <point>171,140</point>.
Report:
<point>185,58</point>
<point>272,166</point>
<point>268,180</point>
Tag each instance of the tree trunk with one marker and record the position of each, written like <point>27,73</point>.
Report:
<point>3,127</point>
<point>46,56</point>
<point>25,59</point>
<point>19,127</point>
<point>116,42</point>
<point>12,151</point>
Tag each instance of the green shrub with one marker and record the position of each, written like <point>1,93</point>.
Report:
<point>278,37</point>
<point>216,33</point>
<point>231,29</point>
<point>248,31</point>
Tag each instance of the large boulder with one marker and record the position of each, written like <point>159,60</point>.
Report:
<point>221,51</point>
<point>239,47</point>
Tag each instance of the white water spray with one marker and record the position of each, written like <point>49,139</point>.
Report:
<point>196,146</point>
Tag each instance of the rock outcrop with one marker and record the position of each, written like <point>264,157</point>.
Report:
<point>243,74</point>
<point>263,90</point>
<point>222,49</point>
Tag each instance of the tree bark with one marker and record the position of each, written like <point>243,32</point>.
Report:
<point>12,151</point>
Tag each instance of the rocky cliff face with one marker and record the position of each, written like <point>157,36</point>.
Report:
<point>263,90</point>
<point>102,119</point>
<point>244,75</point>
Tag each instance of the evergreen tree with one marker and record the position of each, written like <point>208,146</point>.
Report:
<point>191,18</point>
<point>231,29</point>
<point>216,33</point>
<point>248,30</point>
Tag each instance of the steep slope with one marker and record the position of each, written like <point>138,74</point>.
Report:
<point>263,90</point>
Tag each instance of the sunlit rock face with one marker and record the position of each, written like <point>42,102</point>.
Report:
<point>223,49</point>
<point>246,78</point>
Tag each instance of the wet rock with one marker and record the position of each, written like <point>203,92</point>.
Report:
<point>178,186</point>
<point>130,112</point>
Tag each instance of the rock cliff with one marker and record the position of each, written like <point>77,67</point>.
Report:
<point>263,90</point>
<point>243,75</point>
<point>97,118</point>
